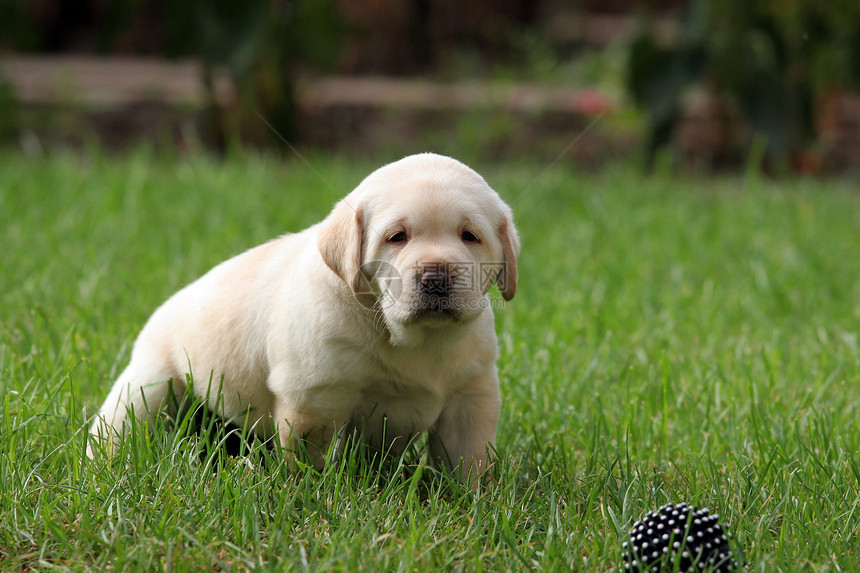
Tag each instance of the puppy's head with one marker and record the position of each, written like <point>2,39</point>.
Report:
<point>422,240</point>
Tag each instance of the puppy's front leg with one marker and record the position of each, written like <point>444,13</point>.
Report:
<point>302,426</point>
<point>465,433</point>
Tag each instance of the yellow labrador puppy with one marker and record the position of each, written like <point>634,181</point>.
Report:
<point>375,319</point>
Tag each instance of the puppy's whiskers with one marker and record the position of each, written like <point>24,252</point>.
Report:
<point>378,315</point>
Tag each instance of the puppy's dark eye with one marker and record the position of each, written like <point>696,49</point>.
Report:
<point>399,237</point>
<point>469,237</point>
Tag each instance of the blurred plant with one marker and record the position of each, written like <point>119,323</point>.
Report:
<point>16,27</point>
<point>9,109</point>
<point>259,44</point>
<point>773,60</point>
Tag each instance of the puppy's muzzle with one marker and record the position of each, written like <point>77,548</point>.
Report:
<point>435,280</point>
<point>434,285</point>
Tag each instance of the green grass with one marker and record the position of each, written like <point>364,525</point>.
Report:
<point>672,339</point>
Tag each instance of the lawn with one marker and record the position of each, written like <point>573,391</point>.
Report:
<point>673,339</point>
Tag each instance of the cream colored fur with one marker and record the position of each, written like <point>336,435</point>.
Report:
<point>297,331</point>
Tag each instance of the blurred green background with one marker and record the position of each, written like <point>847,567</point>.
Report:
<point>702,83</point>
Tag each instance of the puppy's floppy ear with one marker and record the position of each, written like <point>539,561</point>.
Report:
<point>511,252</point>
<point>340,243</point>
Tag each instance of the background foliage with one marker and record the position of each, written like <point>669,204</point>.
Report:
<point>774,61</point>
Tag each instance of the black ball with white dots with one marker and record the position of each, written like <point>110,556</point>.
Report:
<point>678,538</point>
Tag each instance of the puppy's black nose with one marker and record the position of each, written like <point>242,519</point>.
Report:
<point>435,280</point>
